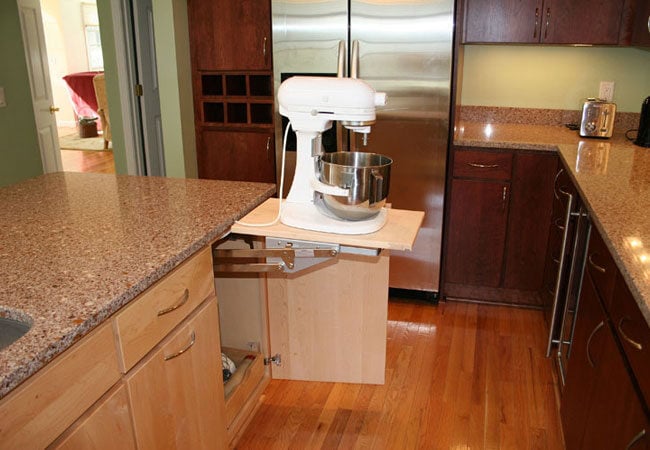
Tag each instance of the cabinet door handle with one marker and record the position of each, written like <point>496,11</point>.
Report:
<point>504,194</point>
<point>264,47</point>
<point>340,60</point>
<point>548,19</point>
<point>591,336</point>
<point>632,342</point>
<point>536,23</point>
<point>268,147</point>
<point>483,166</point>
<point>636,439</point>
<point>184,349</point>
<point>600,269</point>
<point>184,298</point>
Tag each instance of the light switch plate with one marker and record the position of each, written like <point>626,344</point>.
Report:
<point>3,102</point>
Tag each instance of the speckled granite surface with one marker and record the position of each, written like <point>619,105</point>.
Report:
<point>75,248</point>
<point>613,177</point>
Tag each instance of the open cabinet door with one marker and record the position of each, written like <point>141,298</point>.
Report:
<point>31,24</point>
<point>328,323</point>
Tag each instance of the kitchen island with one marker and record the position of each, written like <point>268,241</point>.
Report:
<point>613,177</point>
<point>78,247</point>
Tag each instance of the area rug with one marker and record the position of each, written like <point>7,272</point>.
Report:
<point>74,142</point>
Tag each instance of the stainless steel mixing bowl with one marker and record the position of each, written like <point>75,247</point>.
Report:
<point>366,175</point>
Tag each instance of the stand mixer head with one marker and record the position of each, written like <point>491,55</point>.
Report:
<point>312,104</point>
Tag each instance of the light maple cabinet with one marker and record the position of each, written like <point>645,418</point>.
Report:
<point>150,375</point>
<point>176,394</point>
<point>107,423</point>
<point>543,21</point>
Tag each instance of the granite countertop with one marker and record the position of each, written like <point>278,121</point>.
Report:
<point>612,176</point>
<point>75,248</point>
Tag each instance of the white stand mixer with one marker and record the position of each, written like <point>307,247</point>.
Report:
<point>312,104</point>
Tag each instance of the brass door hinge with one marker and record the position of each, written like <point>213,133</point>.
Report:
<point>138,90</point>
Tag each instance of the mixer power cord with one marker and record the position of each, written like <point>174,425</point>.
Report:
<point>277,217</point>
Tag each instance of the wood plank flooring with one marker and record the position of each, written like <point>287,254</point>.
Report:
<point>458,376</point>
<point>87,161</point>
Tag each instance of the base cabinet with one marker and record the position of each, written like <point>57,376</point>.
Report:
<point>175,394</point>
<point>106,425</point>
<point>601,407</point>
<point>498,220</point>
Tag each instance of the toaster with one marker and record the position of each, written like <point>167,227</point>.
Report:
<point>597,118</point>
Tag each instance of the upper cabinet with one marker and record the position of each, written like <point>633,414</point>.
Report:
<point>543,21</point>
<point>226,34</point>
<point>641,30</point>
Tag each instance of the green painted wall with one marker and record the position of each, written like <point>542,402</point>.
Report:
<point>20,157</point>
<point>175,79</point>
<point>553,77</point>
<point>112,87</point>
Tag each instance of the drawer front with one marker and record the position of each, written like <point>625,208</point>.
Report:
<point>39,410</point>
<point>601,267</point>
<point>480,164</point>
<point>148,319</point>
<point>633,333</point>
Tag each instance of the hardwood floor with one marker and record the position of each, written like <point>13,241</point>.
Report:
<point>87,161</point>
<point>458,376</point>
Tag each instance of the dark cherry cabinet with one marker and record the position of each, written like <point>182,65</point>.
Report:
<point>641,28</point>
<point>602,404</point>
<point>227,34</point>
<point>232,81</point>
<point>235,155</point>
<point>477,232</point>
<point>600,408</point>
<point>499,210</point>
<point>543,21</point>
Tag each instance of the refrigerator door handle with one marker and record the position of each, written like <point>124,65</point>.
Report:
<point>340,63</point>
<point>354,61</point>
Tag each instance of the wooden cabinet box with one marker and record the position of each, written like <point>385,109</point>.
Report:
<point>498,220</point>
<point>543,21</point>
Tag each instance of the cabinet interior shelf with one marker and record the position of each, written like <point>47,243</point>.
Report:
<point>237,98</point>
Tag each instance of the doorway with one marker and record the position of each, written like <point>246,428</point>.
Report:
<point>74,55</point>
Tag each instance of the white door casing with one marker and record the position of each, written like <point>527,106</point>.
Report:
<point>148,78</point>
<point>31,25</point>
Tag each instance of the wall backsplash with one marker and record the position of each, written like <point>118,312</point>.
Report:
<point>527,76</point>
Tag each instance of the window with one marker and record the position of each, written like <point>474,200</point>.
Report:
<point>93,39</point>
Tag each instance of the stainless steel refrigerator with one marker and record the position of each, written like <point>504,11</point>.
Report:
<point>403,48</point>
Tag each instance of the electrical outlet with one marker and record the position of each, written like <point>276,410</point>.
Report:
<point>606,91</point>
<point>253,346</point>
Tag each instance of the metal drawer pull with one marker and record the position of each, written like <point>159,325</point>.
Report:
<point>536,22</point>
<point>632,342</point>
<point>483,166</point>
<point>548,19</point>
<point>184,349</point>
<point>635,439</point>
<point>264,47</point>
<point>186,296</point>
<point>598,327</point>
<point>600,269</point>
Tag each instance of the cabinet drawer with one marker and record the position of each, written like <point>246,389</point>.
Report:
<point>633,333</point>
<point>39,410</point>
<point>601,267</point>
<point>141,325</point>
<point>480,164</point>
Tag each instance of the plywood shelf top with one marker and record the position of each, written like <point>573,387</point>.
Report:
<point>398,234</point>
